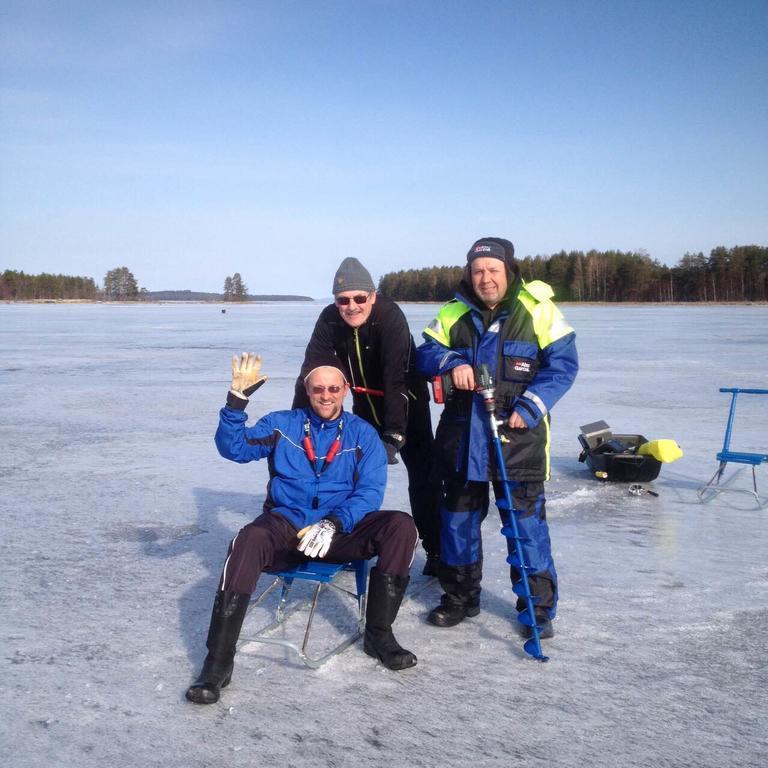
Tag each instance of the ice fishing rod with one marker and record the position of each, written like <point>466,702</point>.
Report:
<point>511,530</point>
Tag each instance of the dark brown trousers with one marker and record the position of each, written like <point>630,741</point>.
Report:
<point>269,544</point>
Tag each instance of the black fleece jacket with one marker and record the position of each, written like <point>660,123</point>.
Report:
<point>378,355</point>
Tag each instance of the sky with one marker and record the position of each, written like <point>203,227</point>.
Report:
<point>191,140</point>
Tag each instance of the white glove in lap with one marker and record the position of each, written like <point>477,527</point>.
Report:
<point>316,539</point>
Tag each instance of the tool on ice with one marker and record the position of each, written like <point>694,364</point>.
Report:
<point>712,488</point>
<point>521,587</point>
<point>639,490</point>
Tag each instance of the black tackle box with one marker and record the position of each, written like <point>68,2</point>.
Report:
<point>613,456</point>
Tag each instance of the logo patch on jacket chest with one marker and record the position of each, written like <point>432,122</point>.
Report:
<point>522,366</point>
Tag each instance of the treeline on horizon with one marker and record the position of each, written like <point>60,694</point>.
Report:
<point>728,274</point>
<point>19,286</point>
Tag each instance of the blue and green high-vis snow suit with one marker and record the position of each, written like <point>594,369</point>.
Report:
<point>530,351</point>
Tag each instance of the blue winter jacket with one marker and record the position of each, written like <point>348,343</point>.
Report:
<point>347,489</point>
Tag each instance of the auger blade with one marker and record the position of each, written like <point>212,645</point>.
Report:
<point>533,648</point>
<point>525,618</point>
<point>519,589</point>
<point>509,532</point>
<point>515,560</point>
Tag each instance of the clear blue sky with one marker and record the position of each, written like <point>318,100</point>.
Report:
<point>190,140</point>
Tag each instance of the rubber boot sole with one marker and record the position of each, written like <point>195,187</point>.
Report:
<point>407,661</point>
<point>438,618</point>
<point>206,694</point>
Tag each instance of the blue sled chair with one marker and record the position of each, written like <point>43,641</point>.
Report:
<point>713,488</point>
<point>322,574</point>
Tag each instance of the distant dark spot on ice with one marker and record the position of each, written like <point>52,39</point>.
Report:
<point>146,533</point>
<point>21,657</point>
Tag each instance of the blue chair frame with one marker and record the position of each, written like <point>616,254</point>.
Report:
<point>322,574</point>
<point>726,455</point>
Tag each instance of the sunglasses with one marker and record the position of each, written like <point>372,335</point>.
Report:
<point>343,301</point>
<point>318,389</point>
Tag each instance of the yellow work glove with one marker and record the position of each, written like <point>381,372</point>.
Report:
<point>246,373</point>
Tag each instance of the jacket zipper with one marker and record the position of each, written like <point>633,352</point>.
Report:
<point>362,376</point>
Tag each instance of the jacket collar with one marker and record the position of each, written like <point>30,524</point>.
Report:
<point>318,423</point>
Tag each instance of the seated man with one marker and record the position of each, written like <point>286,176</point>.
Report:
<point>327,471</point>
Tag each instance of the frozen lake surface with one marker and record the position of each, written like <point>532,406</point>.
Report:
<point>116,512</point>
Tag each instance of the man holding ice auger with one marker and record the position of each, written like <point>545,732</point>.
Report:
<point>515,330</point>
<point>369,336</point>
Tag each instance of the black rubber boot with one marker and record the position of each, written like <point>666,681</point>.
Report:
<point>462,594</point>
<point>451,612</point>
<point>229,610</point>
<point>385,593</point>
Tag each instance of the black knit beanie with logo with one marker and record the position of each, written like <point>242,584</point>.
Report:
<point>493,248</point>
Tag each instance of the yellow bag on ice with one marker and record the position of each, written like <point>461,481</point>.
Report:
<point>665,451</point>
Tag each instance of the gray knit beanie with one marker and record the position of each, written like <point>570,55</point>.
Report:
<point>352,276</point>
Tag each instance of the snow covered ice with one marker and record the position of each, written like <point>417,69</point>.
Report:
<point>117,510</point>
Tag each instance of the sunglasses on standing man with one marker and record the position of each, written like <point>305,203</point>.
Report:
<point>361,298</point>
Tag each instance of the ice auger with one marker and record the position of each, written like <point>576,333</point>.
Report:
<point>510,529</point>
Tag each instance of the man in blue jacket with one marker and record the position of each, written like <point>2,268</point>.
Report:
<point>498,320</point>
<point>327,470</point>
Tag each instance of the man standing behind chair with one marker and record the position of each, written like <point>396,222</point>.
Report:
<point>327,472</point>
<point>515,329</point>
<point>370,337</point>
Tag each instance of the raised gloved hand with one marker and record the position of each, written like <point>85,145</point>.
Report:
<point>392,444</point>
<point>316,539</point>
<point>246,371</point>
